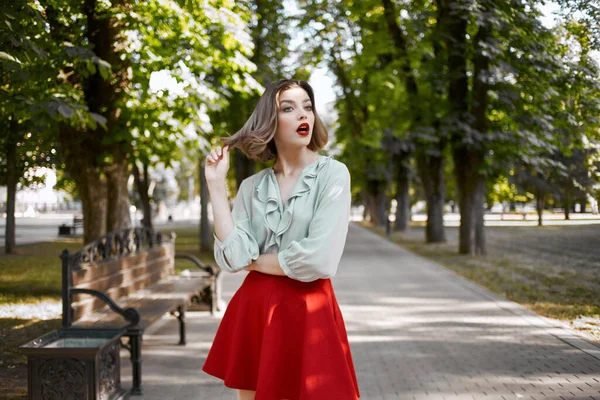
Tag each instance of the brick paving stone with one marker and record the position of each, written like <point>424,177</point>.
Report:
<point>417,331</point>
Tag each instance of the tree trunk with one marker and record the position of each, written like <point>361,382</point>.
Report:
<point>466,242</point>
<point>382,209</point>
<point>372,202</point>
<point>471,190</point>
<point>468,157</point>
<point>118,204</point>
<point>205,233</point>
<point>12,179</point>
<point>481,86</point>
<point>92,190</point>
<point>371,209</point>
<point>410,82</point>
<point>366,205</point>
<point>480,125</point>
<point>431,171</point>
<point>104,34</point>
<point>480,242</point>
<point>402,196</point>
<point>244,166</point>
<point>539,205</point>
<point>377,202</point>
<point>567,205</point>
<point>142,184</point>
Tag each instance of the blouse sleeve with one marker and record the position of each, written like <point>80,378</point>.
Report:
<point>318,255</point>
<point>239,248</point>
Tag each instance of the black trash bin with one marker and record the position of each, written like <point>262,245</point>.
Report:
<point>75,364</point>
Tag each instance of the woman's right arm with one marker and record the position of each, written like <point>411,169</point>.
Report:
<point>223,220</point>
<point>235,247</point>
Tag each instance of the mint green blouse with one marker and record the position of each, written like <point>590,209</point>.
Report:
<point>308,232</point>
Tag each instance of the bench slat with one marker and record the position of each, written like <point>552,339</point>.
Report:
<point>83,304</point>
<point>126,276</point>
<point>94,271</point>
<point>150,312</point>
<point>118,278</point>
<point>152,302</point>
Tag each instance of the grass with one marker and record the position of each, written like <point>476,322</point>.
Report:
<point>33,275</point>
<point>187,241</point>
<point>529,277</point>
<point>13,364</point>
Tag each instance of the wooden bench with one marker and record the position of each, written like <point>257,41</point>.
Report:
<point>127,280</point>
<point>71,230</point>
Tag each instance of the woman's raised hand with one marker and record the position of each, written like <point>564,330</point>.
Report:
<point>217,164</point>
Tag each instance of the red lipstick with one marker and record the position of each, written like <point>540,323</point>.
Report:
<point>303,129</point>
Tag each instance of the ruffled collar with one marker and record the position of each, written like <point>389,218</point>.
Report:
<point>268,188</point>
<point>278,217</point>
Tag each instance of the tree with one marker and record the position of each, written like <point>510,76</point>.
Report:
<point>32,103</point>
<point>568,125</point>
<point>352,41</point>
<point>505,111</point>
<point>579,112</point>
<point>197,44</point>
<point>475,79</point>
<point>587,15</point>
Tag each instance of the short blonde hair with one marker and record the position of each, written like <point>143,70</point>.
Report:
<point>256,138</point>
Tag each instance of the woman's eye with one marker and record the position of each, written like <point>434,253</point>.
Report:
<point>287,108</point>
<point>309,108</point>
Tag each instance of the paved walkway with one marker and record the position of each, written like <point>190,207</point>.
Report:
<point>417,331</point>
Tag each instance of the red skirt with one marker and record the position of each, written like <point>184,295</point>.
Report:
<point>285,339</point>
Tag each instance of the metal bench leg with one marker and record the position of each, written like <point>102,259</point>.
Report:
<point>181,318</point>
<point>135,340</point>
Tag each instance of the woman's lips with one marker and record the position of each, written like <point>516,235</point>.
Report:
<point>303,129</point>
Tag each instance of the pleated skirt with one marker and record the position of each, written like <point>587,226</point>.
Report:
<point>285,339</point>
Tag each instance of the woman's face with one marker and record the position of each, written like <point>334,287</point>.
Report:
<point>295,118</point>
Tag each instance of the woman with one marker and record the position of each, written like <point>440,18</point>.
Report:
<point>283,335</point>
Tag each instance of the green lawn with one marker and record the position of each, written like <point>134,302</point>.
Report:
<point>13,365</point>
<point>187,241</point>
<point>34,274</point>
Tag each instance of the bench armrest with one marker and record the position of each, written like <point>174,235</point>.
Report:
<point>131,315</point>
<point>208,268</point>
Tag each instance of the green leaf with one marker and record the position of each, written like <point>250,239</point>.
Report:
<point>66,111</point>
<point>7,56</point>
<point>104,67</point>
<point>91,67</point>
<point>98,118</point>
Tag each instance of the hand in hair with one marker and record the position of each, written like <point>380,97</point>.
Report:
<point>217,164</point>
